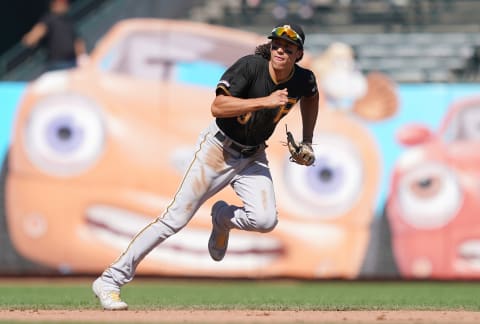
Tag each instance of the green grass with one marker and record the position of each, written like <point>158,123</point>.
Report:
<point>266,295</point>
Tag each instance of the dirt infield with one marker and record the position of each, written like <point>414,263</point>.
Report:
<point>231,316</point>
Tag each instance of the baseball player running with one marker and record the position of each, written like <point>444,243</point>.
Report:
<point>251,98</point>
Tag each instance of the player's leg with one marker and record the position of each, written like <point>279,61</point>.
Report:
<point>201,181</point>
<point>255,188</point>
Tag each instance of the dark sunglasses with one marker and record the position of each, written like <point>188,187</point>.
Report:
<point>286,50</point>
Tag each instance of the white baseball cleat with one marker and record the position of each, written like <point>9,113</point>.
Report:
<point>218,242</point>
<point>110,299</point>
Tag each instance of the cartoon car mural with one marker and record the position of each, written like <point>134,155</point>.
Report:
<point>90,157</point>
<point>98,152</point>
<point>433,202</point>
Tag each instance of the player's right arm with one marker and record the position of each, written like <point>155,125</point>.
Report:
<point>224,105</point>
<point>231,101</point>
<point>35,34</point>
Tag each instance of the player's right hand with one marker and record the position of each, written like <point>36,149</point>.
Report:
<point>277,98</point>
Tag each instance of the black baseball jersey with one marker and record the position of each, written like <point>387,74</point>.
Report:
<point>249,78</point>
<point>60,37</point>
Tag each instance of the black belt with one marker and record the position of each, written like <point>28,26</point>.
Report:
<point>244,150</point>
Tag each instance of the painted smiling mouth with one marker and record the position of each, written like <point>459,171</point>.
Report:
<point>188,248</point>
<point>469,254</point>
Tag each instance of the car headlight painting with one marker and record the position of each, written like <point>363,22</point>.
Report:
<point>333,184</point>
<point>64,135</point>
<point>429,196</point>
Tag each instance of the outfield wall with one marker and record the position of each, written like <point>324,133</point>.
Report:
<point>370,207</point>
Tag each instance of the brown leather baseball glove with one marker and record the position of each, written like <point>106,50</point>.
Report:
<point>301,153</point>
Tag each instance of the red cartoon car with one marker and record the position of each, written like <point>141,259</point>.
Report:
<point>434,200</point>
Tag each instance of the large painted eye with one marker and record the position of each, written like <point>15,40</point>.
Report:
<point>333,184</point>
<point>429,196</point>
<point>64,134</point>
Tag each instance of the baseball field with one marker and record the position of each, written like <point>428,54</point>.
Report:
<point>154,300</point>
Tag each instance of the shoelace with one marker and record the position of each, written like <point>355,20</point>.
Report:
<point>115,296</point>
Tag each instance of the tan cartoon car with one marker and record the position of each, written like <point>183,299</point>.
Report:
<point>99,151</point>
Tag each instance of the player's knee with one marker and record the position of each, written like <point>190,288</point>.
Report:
<point>170,225</point>
<point>265,222</point>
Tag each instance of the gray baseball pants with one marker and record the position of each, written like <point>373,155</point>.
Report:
<point>214,166</point>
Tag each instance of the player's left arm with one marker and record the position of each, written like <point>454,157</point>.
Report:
<point>309,111</point>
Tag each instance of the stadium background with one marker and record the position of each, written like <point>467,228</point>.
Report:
<point>426,47</point>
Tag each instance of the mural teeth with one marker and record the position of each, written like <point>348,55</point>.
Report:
<point>470,249</point>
